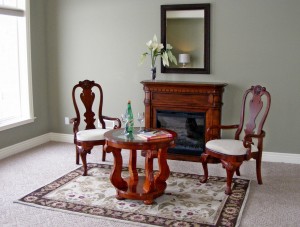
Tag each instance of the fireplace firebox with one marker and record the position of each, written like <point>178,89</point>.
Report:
<point>190,129</point>
<point>188,108</point>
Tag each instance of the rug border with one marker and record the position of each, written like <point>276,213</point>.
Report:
<point>238,220</point>
<point>82,214</point>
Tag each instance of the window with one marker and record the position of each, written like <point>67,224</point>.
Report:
<point>16,106</point>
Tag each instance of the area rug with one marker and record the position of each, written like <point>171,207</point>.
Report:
<point>186,201</point>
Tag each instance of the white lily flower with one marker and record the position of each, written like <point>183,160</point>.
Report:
<point>165,59</point>
<point>154,46</point>
<point>171,57</point>
<point>157,49</point>
<point>169,47</point>
<point>160,47</point>
<point>149,43</point>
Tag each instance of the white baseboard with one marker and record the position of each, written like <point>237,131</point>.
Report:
<point>281,157</point>
<point>23,146</point>
<point>59,137</point>
<point>68,138</point>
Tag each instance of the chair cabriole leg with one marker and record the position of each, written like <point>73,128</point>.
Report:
<point>230,167</point>
<point>230,173</point>
<point>83,152</point>
<point>205,169</point>
<point>258,169</point>
<point>103,154</point>
<point>77,155</point>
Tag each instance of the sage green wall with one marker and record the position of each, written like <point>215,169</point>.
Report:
<point>252,42</point>
<point>39,80</point>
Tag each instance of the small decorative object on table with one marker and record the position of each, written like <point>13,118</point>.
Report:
<point>124,118</point>
<point>130,123</point>
<point>140,118</point>
<point>154,134</point>
<point>157,49</point>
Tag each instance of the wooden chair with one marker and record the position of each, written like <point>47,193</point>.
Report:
<point>86,139</point>
<point>232,152</point>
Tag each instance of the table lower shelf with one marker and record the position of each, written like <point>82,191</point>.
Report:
<point>136,190</point>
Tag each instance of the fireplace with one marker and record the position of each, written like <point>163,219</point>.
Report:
<point>190,128</point>
<point>188,108</point>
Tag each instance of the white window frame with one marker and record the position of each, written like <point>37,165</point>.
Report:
<point>26,87</point>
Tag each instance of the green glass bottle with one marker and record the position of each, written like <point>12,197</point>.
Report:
<point>130,124</point>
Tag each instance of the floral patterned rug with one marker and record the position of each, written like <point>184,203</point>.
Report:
<point>186,201</point>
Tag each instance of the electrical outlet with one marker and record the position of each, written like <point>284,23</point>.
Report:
<point>67,121</point>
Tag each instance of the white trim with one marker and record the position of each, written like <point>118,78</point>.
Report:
<point>59,137</point>
<point>15,123</point>
<point>281,157</point>
<point>68,138</point>
<point>11,11</point>
<point>26,113</point>
<point>23,146</point>
<point>29,63</point>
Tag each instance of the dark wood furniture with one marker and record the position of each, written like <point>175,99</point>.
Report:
<point>86,139</point>
<point>146,187</point>
<point>184,96</point>
<point>233,152</point>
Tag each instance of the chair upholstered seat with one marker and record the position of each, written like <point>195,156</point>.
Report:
<point>229,146</point>
<point>91,134</point>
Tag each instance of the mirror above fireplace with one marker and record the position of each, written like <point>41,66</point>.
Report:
<point>186,27</point>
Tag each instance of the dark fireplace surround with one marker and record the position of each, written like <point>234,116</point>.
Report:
<point>188,108</point>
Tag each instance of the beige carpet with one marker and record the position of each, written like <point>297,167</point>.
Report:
<point>275,203</point>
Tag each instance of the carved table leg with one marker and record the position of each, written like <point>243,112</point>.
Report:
<point>164,171</point>
<point>149,186</point>
<point>132,171</point>
<point>149,179</point>
<point>115,177</point>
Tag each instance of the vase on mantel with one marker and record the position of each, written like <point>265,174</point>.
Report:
<point>153,70</point>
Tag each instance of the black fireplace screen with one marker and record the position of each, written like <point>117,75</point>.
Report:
<point>190,128</point>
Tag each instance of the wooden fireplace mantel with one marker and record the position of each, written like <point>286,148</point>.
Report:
<point>204,97</point>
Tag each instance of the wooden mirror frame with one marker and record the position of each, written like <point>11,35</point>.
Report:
<point>206,8</point>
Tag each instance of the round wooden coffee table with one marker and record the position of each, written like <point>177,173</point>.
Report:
<point>147,187</point>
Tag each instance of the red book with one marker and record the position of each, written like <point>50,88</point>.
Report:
<point>156,134</point>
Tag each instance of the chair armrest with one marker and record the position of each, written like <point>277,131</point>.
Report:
<point>73,120</point>
<point>257,136</point>
<point>75,123</point>
<point>118,125</point>
<point>247,142</point>
<point>218,127</point>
